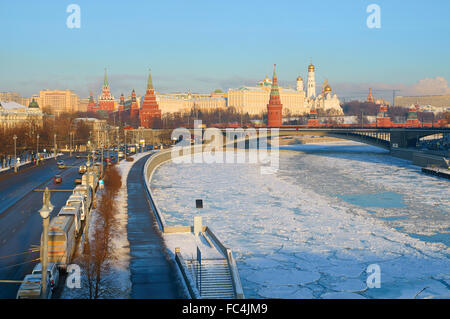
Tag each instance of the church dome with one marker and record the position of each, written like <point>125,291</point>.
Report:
<point>33,105</point>
<point>311,68</point>
<point>327,88</point>
<point>299,78</point>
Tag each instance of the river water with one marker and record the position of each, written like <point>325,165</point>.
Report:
<point>312,229</point>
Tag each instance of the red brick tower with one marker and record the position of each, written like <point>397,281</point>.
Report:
<point>383,119</point>
<point>121,107</point>
<point>274,108</point>
<point>149,111</point>
<point>122,103</point>
<point>412,120</point>
<point>134,108</point>
<point>106,101</point>
<point>313,120</point>
<point>91,104</point>
<point>370,97</point>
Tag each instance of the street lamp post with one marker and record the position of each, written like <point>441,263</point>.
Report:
<point>71,142</point>
<point>45,211</point>
<point>37,150</point>
<point>54,141</point>
<point>15,153</point>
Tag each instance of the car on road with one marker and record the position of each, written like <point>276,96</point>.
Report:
<point>78,180</point>
<point>57,179</point>
<point>82,169</point>
<point>31,288</point>
<point>120,155</point>
<point>52,273</point>
<point>61,164</point>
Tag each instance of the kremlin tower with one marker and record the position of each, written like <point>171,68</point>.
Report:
<point>149,111</point>
<point>134,108</point>
<point>313,119</point>
<point>121,107</point>
<point>122,103</point>
<point>91,104</point>
<point>274,108</point>
<point>370,97</point>
<point>383,119</point>
<point>412,120</point>
<point>106,101</point>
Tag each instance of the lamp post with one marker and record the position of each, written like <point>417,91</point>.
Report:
<point>45,211</point>
<point>54,141</point>
<point>15,153</point>
<point>37,150</point>
<point>71,142</point>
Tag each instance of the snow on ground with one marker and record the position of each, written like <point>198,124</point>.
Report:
<point>311,230</point>
<point>117,280</point>
<point>188,243</point>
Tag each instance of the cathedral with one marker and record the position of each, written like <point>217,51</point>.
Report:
<point>326,100</point>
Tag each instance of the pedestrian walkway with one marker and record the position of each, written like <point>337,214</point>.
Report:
<point>153,275</point>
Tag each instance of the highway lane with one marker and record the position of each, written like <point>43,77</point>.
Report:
<point>14,186</point>
<point>20,222</point>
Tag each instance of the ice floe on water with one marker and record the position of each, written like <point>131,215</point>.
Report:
<point>312,229</point>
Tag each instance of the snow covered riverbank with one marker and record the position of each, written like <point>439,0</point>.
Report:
<point>311,230</point>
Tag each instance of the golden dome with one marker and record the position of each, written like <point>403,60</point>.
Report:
<point>327,88</point>
<point>311,68</point>
<point>299,78</point>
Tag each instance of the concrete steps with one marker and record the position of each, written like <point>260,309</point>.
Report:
<point>215,281</point>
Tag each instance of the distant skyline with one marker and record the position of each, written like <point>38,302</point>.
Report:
<point>204,45</point>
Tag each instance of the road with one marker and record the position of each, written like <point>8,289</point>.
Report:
<point>20,222</point>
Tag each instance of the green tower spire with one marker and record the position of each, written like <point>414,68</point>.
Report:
<point>274,90</point>
<point>105,82</point>
<point>149,82</point>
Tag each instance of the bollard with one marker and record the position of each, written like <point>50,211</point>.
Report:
<point>198,225</point>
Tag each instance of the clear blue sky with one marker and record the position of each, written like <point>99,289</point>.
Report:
<point>203,45</point>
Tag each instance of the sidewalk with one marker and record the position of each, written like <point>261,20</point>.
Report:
<point>152,273</point>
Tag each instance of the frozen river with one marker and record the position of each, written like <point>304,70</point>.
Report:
<point>312,229</point>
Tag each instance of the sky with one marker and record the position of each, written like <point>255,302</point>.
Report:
<point>202,45</point>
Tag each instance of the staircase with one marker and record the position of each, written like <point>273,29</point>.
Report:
<point>216,281</point>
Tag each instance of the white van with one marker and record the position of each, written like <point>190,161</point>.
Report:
<point>86,191</point>
<point>78,199</point>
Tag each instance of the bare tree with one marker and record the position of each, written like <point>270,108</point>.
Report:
<point>98,254</point>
